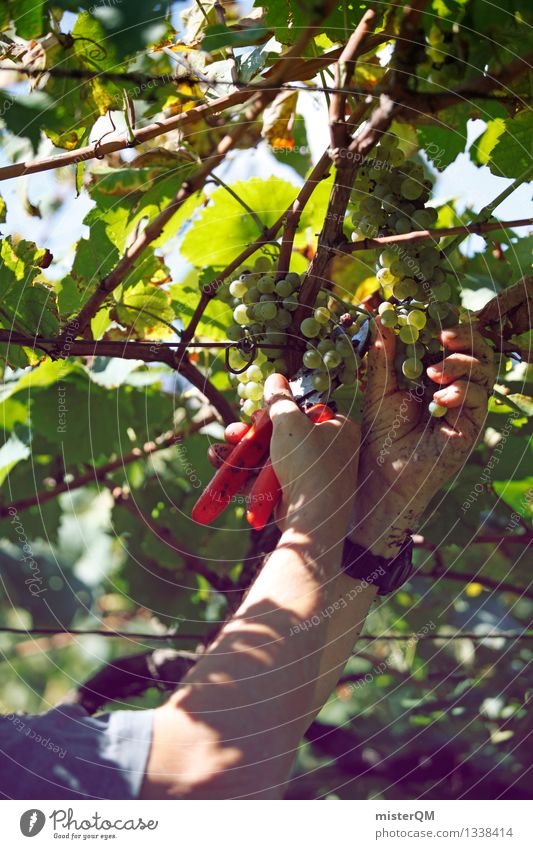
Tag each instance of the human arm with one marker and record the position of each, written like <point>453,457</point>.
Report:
<point>233,727</point>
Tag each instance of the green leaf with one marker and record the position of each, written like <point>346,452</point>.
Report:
<point>28,16</point>
<point>518,495</point>
<point>506,146</point>
<point>11,453</point>
<point>27,305</point>
<point>23,114</point>
<point>444,141</point>
<point>144,309</point>
<point>216,318</point>
<point>224,228</point>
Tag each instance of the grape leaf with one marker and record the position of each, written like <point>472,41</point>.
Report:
<point>224,228</point>
<point>506,146</point>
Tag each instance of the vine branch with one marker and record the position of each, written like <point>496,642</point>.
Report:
<point>475,227</point>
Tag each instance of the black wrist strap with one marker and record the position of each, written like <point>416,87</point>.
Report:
<point>387,575</point>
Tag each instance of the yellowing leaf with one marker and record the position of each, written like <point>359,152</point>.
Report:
<point>146,310</point>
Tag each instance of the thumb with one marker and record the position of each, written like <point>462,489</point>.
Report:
<point>381,371</point>
<point>280,401</point>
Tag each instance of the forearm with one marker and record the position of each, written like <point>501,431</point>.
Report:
<point>247,703</point>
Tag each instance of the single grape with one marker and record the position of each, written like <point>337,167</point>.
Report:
<point>410,189</point>
<point>385,276</point>
<point>312,359</point>
<point>396,157</point>
<point>254,372</point>
<point>250,407</point>
<point>267,310</point>
<point>265,284</point>
<point>332,359</point>
<point>237,288</point>
<point>430,255</point>
<point>322,315</point>
<point>325,345</point>
<point>367,228</point>
<point>436,410</point>
<point>254,390</point>
<point>295,279</point>
<point>409,334</point>
<point>284,288</point>
<point>412,368</point>
<point>402,225</point>
<point>389,317</point>
<point>441,291</point>
<point>262,264</point>
<point>310,327</point>
<point>251,296</point>
<point>387,257</point>
<point>240,315</point>
<point>234,333</point>
<point>404,288</point>
<point>417,318</point>
<point>290,303</point>
<point>321,382</point>
<point>390,202</point>
<point>438,310</point>
<point>397,268</point>
<point>241,389</point>
<point>282,320</point>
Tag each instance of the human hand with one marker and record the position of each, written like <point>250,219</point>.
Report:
<point>316,464</point>
<point>407,455</point>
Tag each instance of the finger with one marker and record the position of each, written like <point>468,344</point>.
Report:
<point>235,432</point>
<point>381,374</point>
<point>281,404</point>
<point>467,406</point>
<point>218,452</point>
<point>462,393</point>
<point>460,365</point>
<point>465,337</point>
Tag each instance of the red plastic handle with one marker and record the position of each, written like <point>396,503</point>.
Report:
<point>266,491</point>
<point>233,474</point>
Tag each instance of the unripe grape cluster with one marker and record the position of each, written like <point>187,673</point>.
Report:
<point>263,308</point>
<point>262,312</point>
<point>389,198</point>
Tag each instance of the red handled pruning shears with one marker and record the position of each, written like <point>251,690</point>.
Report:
<point>252,452</point>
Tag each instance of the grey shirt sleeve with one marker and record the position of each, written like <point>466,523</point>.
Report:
<point>68,754</point>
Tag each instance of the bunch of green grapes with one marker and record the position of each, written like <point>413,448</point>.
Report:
<point>262,312</point>
<point>389,197</point>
